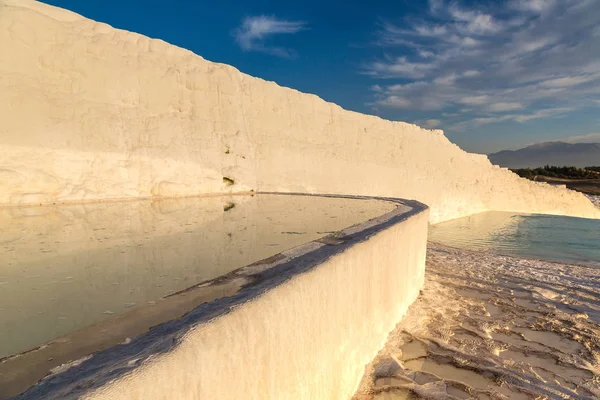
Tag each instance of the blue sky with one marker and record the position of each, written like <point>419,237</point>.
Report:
<point>493,75</point>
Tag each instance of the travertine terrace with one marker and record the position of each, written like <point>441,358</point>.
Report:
<point>90,113</point>
<point>299,325</point>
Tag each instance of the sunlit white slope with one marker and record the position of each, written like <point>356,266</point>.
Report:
<point>90,112</point>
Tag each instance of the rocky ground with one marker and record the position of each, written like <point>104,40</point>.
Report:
<point>493,327</point>
<point>594,199</point>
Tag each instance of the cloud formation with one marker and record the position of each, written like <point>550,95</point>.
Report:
<point>589,138</point>
<point>430,123</point>
<point>516,61</point>
<point>254,31</point>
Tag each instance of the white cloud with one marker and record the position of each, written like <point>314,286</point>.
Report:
<point>471,73</point>
<point>569,80</point>
<point>515,61</point>
<point>446,79</point>
<point>537,6</point>
<point>492,120</point>
<point>502,107</point>
<point>588,138</point>
<point>534,44</point>
<point>430,123</point>
<point>474,100</point>
<point>254,31</point>
<point>394,102</point>
<point>558,112</point>
<point>399,67</point>
<point>546,113</point>
<point>472,22</point>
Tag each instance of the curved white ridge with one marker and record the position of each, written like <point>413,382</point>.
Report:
<point>92,113</point>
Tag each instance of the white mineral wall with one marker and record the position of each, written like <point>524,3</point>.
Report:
<point>309,338</point>
<point>90,112</point>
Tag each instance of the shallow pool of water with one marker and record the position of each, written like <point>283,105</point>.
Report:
<point>63,268</point>
<point>545,237</point>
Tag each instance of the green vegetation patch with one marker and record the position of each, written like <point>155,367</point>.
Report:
<point>559,172</point>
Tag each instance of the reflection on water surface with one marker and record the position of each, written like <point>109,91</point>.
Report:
<point>66,267</point>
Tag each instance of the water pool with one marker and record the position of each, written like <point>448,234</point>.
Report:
<point>545,237</point>
<point>63,268</point>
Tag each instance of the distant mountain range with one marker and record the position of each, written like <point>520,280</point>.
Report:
<point>549,153</point>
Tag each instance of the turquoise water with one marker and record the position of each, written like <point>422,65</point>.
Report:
<point>546,237</point>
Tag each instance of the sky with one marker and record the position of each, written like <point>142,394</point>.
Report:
<point>493,75</point>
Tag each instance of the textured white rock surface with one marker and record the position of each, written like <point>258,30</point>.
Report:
<point>90,112</point>
<point>494,327</point>
<point>308,338</point>
<point>594,199</point>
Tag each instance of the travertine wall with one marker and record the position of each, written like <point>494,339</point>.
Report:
<point>89,112</point>
<point>308,338</point>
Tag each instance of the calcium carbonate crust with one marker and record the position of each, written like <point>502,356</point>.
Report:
<point>93,113</point>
